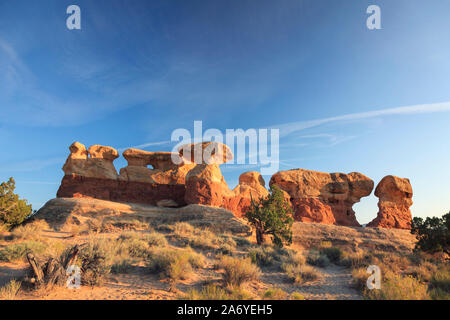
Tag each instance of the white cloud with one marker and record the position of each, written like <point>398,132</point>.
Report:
<point>289,128</point>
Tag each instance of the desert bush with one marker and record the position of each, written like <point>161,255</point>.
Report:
<point>183,229</point>
<point>275,294</point>
<point>441,279</point>
<point>439,294</point>
<point>112,224</point>
<point>175,264</point>
<point>121,266</point>
<point>96,259</point>
<point>262,256</point>
<point>333,254</point>
<point>268,255</point>
<point>271,215</point>
<point>300,274</point>
<point>13,211</point>
<point>138,248</point>
<point>424,271</point>
<point>19,251</point>
<point>215,292</point>
<point>238,270</point>
<point>297,296</point>
<point>399,287</point>
<point>433,233</point>
<point>359,278</point>
<point>354,260</point>
<point>30,231</point>
<point>315,258</point>
<point>155,239</point>
<point>10,290</point>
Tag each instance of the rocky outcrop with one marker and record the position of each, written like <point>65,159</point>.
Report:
<point>206,185</point>
<point>395,199</point>
<point>323,197</point>
<point>193,176</point>
<point>63,214</point>
<point>91,173</point>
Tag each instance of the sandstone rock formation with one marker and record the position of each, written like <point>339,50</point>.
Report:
<point>92,174</point>
<point>323,197</point>
<point>206,185</point>
<point>193,176</point>
<point>395,196</point>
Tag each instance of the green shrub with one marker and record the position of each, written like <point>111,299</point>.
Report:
<point>9,291</point>
<point>441,279</point>
<point>433,234</point>
<point>333,254</point>
<point>297,296</point>
<point>96,260</point>
<point>275,294</point>
<point>315,258</point>
<point>271,215</point>
<point>13,211</point>
<point>19,251</point>
<point>238,270</point>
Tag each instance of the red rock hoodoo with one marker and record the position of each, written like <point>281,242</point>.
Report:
<point>323,197</point>
<point>395,196</point>
<point>193,176</point>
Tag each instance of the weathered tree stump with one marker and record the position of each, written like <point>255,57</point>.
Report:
<point>53,272</point>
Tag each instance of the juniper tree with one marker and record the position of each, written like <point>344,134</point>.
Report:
<point>271,215</point>
<point>13,211</point>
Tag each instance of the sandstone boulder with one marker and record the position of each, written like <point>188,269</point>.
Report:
<point>395,199</point>
<point>209,152</point>
<point>95,163</point>
<point>323,197</point>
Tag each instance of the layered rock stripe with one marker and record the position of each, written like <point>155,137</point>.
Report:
<point>195,178</point>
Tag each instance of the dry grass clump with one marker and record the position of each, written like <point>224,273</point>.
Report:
<point>175,264</point>
<point>275,294</point>
<point>19,251</point>
<point>301,274</point>
<point>203,238</point>
<point>399,287</point>
<point>237,271</point>
<point>268,255</point>
<point>96,259</point>
<point>215,292</point>
<point>441,279</point>
<point>318,259</point>
<point>10,290</point>
<point>360,277</point>
<point>30,231</point>
<point>139,245</point>
<point>112,224</point>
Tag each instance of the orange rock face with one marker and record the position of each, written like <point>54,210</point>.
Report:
<point>395,196</point>
<point>323,197</point>
<point>91,173</point>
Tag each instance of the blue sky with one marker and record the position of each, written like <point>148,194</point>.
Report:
<point>140,69</point>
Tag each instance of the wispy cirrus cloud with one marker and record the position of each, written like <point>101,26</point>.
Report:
<point>292,127</point>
